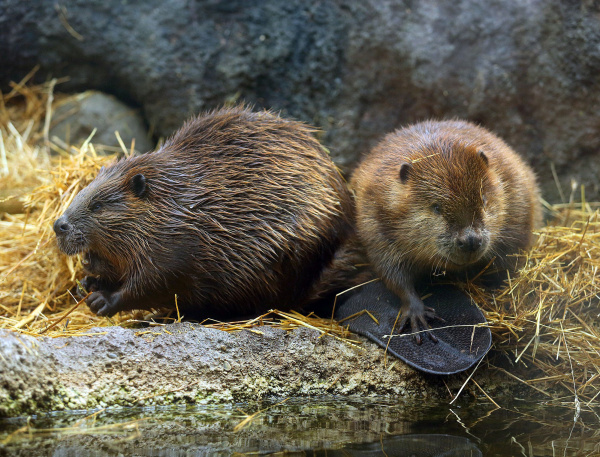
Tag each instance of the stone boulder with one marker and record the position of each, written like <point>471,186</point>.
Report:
<point>76,117</point>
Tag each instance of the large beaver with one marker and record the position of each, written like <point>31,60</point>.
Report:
<point>237,213</point>
<point>441,196</point>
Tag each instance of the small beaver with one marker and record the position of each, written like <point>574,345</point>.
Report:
<point>441,196</point>
<point>237,213</point>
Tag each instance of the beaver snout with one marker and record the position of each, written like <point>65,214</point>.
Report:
<point>70,238</point>
<point>468,246</point>
<point>469,242</point>
<point>62,226</point>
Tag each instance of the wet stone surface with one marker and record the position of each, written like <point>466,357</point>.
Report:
<point>190,364</point>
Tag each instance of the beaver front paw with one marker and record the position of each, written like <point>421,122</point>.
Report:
<point>88,284</point>
<point>95,284</point>
<point>105,303</point>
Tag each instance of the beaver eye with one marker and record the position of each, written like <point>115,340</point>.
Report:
<point>95,206</point>
<point>436,208</point>
<point>484,201</point>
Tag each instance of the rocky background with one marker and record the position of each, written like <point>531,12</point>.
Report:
<point>530,71</point>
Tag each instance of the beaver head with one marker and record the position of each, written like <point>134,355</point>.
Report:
<point>449,203</point>
<point>96,221</point>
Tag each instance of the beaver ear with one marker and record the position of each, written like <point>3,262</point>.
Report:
<point>138,185</point>
<point>483,156</point>
<point>404,171</point>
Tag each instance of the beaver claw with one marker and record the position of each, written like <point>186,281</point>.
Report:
<point>417,321</point>
<point>104,303</point>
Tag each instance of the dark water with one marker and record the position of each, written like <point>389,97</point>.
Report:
<point>310,427</point>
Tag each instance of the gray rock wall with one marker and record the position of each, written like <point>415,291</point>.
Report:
<point>530,70</point>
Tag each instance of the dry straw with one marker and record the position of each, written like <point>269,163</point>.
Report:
<point>34,277</point>
<point>545,321</point>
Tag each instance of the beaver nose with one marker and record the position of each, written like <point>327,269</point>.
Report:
<point>469,242</point>
<point>61,226</point>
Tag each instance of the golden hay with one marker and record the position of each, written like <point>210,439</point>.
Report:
<point>34,276</point>
<point>547,317</point>
<point>545,320</point>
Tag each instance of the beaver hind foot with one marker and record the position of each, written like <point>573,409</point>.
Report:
<point>415,319</point>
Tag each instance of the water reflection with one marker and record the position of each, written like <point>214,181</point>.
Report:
<point>410,446</point>
<point>342,427</point>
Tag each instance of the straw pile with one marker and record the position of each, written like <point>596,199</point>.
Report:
<point>546,320</point>
<point>34,276</point>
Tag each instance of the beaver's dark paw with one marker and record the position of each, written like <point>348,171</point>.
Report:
<point>104,303</point>
<point>96,284</point>
<point>89,284</point>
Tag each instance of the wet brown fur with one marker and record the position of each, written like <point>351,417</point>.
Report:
<point>237,213</point>
<point>460,178</point>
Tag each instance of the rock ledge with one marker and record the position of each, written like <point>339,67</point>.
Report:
<point>188,363</point>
